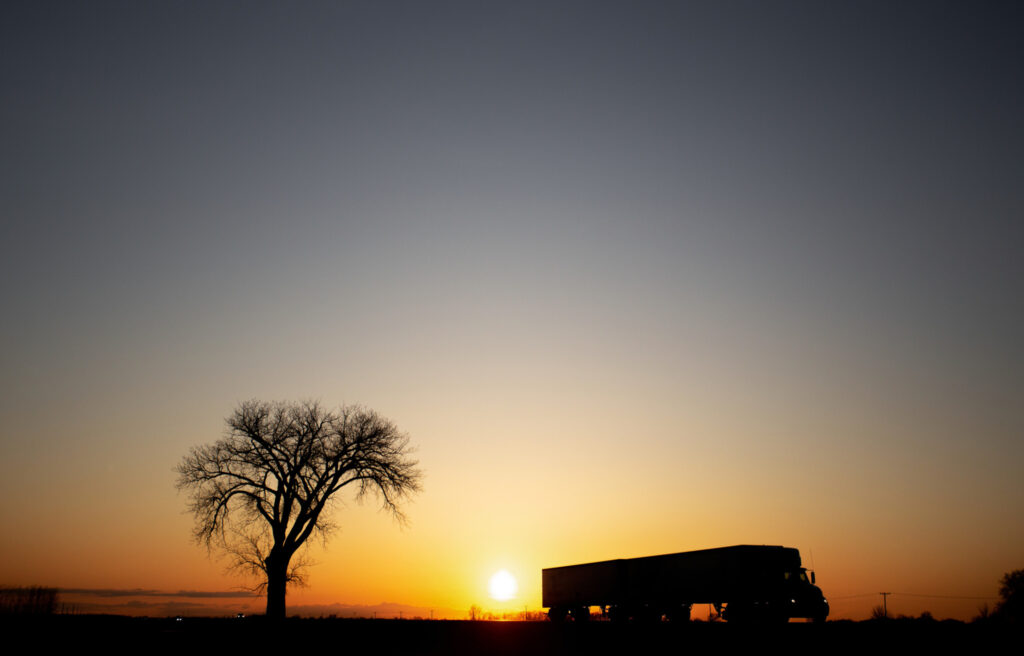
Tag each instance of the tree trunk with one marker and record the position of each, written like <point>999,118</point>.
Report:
<point>277,581</point>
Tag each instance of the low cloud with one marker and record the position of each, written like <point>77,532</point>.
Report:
<point>111,593</point>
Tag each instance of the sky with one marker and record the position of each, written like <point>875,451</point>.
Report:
<point>634,277</point>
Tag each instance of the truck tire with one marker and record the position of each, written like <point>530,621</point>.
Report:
<point>581,614</point>
<point>737,612</point>
<point>754,613</point>
<point>618,614</point>
<point>557,614</point>
<point>679,613</point>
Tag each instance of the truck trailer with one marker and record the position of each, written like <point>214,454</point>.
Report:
<point>745,583</point>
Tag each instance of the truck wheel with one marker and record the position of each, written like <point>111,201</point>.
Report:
<point>679,613</point>
<point>618,614</point>
<point>581,614</point>
<point>648,614</point>
<point>736,613</point>
<point>556,614</point>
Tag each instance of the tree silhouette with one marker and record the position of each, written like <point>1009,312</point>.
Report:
<point>264,489</point>
<point>1011,593</point>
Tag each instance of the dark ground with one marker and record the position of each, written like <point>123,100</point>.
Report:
<point>375,637</point>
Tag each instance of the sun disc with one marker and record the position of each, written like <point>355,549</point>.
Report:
<point>503,586</point>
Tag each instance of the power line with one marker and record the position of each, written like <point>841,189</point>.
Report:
<point>913,594</point>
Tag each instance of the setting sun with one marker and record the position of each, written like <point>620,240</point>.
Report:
<point>503,586</point>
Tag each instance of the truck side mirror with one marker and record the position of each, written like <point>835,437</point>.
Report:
<point>812,578</point>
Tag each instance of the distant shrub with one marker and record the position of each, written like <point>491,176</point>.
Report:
<point>32,600</point>
<point>1011,593</point>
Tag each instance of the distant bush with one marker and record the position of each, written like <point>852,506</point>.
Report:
<point>1011,593</point>
<point>33,600</point>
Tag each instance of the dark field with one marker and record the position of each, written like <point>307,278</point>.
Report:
<point>348,636</point>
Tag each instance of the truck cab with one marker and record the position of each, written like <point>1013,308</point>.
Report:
<point>778,597</point>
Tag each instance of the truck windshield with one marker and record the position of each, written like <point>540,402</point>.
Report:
<point>797,577</point>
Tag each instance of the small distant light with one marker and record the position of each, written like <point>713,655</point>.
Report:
<point>240,616</point>
<point>178,618</point>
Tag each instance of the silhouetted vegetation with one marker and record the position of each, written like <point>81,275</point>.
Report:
<point>476,614</point>
<point>267,487</point>
<point>384,637</point>
<point>32,600</point>
<point>1011,594</point>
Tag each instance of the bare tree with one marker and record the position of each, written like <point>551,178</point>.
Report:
<point>264,489</point>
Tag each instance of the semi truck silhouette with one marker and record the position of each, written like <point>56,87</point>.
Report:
<point>745,583</point>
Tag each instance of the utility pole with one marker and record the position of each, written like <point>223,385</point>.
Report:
<point>885,606</point>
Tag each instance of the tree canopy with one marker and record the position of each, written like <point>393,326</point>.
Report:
<point>268,485</point>
<point>1011,593</point>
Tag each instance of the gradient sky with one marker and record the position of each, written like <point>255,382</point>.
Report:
<point>636,277</point>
